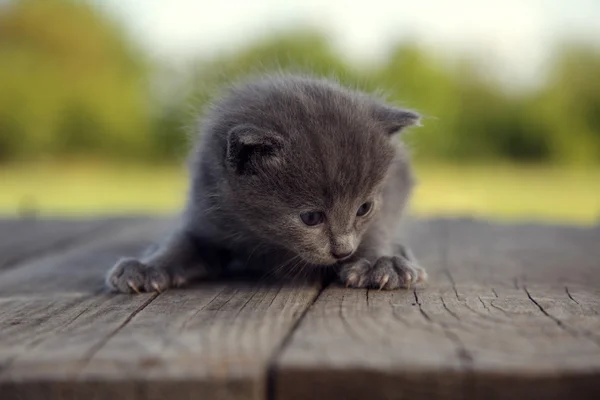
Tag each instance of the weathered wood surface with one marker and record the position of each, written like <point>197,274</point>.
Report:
<point>511,310</point>
<point>61,336</point>
<point>23,239</point>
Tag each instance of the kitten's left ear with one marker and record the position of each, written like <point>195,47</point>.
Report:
<point>394,119</point>
<point>251,149</point>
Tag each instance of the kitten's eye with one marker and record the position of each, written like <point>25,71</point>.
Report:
<point>312,218</point>
<point>364,209</point>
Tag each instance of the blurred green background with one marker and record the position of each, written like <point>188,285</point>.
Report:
<point>95,121</point>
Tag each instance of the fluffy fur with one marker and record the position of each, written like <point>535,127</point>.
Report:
<point>270,151</point>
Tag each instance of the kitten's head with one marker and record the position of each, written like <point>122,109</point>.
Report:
<point>305,161</point>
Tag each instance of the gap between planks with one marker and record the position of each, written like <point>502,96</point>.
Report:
<point>272,362</point>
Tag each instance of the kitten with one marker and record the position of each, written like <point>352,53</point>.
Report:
<point>290,172</point>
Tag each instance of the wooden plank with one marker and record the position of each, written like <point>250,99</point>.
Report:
<point>496,321</point>
<point>60,294</point>
<point>61,339</point>
<point>512,310</point>
<point>86,322</point>
<point>529,272</point>
<point>22,239</point>
<point>211,343</point>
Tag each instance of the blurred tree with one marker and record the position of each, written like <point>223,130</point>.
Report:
<point>414,79</point>
<point>70,82</point>
<point>567,109</point>
<point>298,51</point>
<point>492,124</point>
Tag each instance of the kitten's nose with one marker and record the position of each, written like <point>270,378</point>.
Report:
<point>339,255</point>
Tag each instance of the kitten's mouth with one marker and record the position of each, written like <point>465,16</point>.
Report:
<point>321,262</point>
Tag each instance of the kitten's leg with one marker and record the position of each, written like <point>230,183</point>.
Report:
<point>400,270</point>
<point>173,263</point>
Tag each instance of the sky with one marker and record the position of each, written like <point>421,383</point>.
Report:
<point>517,35</point>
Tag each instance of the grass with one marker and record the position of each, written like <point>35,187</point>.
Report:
<point>497,192</point>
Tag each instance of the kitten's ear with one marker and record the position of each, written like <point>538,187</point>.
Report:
<point>394,119</point>
<point>251,149</point>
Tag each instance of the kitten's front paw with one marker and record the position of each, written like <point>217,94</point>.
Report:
<point>356,273</point>
<point>388,272</point>
<point>131,276</point>
<point>393,272</point>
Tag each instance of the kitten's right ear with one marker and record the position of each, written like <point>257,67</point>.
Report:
<point>394,119</point>
<point>251,149</point>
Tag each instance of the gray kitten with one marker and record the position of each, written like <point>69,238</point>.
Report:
<point>290,172</point>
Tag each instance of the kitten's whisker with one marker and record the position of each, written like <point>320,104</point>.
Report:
<point>274,272</point>
<point>251,254</point>
<point>296,270</point>
<point>289,274</point>
<point>285,264</point>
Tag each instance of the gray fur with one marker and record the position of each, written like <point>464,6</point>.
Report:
<point>270,150</point>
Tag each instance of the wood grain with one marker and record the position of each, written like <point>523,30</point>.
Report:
<point>62,295</point>
<point>510,311</point>
<point>217,339</point>
<point>24,239</point>
<point>62,337</point>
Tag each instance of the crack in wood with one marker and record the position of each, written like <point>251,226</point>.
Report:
<point>451,279</point>
<point>477,313</point>
<point>574,332</point>
<point>185,323</point>
<point>483,304</point>
<point>444,256</point>
<point>499,308</point>
<point>543,311</point>
<point>95,348</point>
<point>423,313</point>
<point>344,321</point>
<point>569,295</point>
<point>464,355</point>
<point>448,310</point>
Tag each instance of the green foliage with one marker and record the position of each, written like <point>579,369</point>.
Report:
<point>73,84</point>
<point>467,117</point>
<point>70,83</point>
<point>568,109</point>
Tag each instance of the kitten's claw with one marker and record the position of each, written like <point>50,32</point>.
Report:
<point>402,272</point>
<point>132,276</point>
<point>384,280</point>
<point>134,287</point>
<point>408,279</point>
<point>353,274</point>
<point>155,286</point>
<point>388,272</point>
<point>352,280</point>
